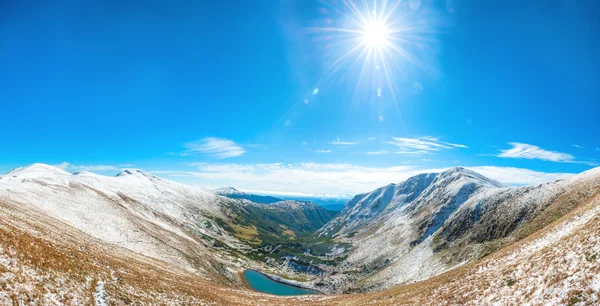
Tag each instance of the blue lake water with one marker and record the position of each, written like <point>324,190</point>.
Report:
<point>259,282</point>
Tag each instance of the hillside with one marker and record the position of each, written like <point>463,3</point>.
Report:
<point>269,223</point>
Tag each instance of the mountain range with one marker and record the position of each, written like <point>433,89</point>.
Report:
<point>233,193</point>
<point>84,238</point>
<point>328,202</point>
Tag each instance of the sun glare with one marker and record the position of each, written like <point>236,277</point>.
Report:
<point>375,34</point>
<point>375,42</point>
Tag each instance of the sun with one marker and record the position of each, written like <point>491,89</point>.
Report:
<point>375,34</point>
<point>375,44</point>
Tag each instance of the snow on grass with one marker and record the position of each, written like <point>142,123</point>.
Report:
<point>596,283</point>
<point>135,210</point>
<point>100,295</point>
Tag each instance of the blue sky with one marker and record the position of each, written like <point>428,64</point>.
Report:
<point>217,93</point>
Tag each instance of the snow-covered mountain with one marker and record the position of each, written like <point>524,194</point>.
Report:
<point>188,227</point>
<point>134,210</point>
<point>233,193</point>
<point>431,223</point>
<point>440,192</point>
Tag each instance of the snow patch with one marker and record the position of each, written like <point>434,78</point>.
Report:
<point>100,295</point>
<point>596,283</point>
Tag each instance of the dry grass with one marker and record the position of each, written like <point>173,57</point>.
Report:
<point>246,233</point>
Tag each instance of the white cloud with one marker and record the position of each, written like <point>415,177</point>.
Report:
<point>303,143</point>
<point>422,145</point>
<point>97,168</point>
<point>518,176</point>
<point>63,165</point>
<point>332,179</point>
<point>217,147</point>
<point>380,152</point>
<point>346,143</point>
<point>527,151</point>
<point>323,151</point>
<point>91,168</point>
<point>577,146</point>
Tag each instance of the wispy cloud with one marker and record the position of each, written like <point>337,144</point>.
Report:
<point>418,152</point>
<point>323,151</point>
<point>577,146</point>
<point>303,143</point>
<point>216,147</point>
<point>422,145</point>
<point>346,143</point>
<point>518,176</point>
<point>527,151</point>
<point>380,152</point>
<point>333,179</point>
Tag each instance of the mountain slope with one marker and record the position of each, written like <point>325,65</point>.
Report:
<point>271,223</point>
<point>135,210</point>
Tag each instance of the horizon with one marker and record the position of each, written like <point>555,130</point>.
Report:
<point>270,97</point>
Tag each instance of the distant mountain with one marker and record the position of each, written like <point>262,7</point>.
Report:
<point>233,193</point>
<point>335,204</point>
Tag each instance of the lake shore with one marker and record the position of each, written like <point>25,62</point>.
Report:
<point>282,281</point>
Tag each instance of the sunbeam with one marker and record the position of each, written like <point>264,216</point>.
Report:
<point>373,42</point>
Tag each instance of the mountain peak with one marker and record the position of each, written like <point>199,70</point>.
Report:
<point>464,173</point>
<point>227,190</point>
<point>135,173</point>
<point>38,168</point>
